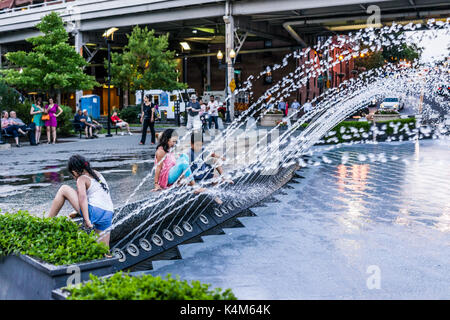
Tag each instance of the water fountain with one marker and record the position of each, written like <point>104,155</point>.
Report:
<point>146,228</point>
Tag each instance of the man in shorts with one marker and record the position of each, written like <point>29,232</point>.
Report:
<point>120,123</point>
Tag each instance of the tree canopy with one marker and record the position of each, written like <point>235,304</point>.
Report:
<point>145,63</point>
<point>52,66</point>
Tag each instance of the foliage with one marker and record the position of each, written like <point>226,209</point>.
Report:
<point>389,53</point>
<point>386,112</point>
<point>8,96</point>
<point>58,240</point>
<point>146,287</point>
<point>336,135</point>
<point>275,111</point>
<point>64,121</point>
<point>130,114</point>
<point>52,65</point>
<point>146,63</point>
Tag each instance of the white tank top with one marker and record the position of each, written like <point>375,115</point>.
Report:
<point>97,196</point>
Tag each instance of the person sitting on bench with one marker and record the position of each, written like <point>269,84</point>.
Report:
<point>79,120</point>
<point>94,125</point>
<point>9,127</point>
<point>120,123</point>
<point>30,129</point>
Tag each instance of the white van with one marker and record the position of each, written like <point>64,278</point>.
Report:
<point>165,100</point>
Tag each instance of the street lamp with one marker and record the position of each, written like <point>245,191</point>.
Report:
<point>109,37</point>
<point>232,55</point>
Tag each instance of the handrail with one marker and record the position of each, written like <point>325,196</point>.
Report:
<point>33,6</point>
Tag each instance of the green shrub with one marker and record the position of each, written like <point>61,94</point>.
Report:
<point>366,127</point>
<point>65,126</point>
<point>146,287</point>
<point>58,240</point>
<point>8,96</point>
<point>130,114</point>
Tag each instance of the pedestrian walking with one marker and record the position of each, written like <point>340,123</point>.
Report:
<point>193,108</point>
<point>213,112</point>
<point>148,120</point>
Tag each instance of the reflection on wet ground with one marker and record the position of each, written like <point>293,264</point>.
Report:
<point>30,184</point>
<point>383,205</point>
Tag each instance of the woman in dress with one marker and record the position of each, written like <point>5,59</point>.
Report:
<point>36,111</point>
<point>54,111</point>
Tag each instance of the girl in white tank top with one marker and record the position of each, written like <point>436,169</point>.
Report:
<point>91,199</point>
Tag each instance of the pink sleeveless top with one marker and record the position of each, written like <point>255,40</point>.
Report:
<point>168,162</point>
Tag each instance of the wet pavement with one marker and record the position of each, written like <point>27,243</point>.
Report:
<point>30,176</point>
<point>376,227</point>
<point>383,206</point>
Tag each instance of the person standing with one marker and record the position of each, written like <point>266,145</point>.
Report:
<point>148,119</point>
<point>295,105</point>
<point>36,111</point>
<point>307,107</point>
<point>213,112</point>
<point>203,116</point>
<point>193,109</point>
<point>52,111</point>
<point>282,105</point>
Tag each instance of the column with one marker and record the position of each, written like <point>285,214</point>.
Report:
<point>229,45</point>
<point>78,48</point>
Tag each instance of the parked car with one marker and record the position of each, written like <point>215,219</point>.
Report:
<point>392,103</point>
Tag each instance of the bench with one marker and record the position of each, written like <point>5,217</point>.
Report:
<point>78,128</point>
<point>5,135</point>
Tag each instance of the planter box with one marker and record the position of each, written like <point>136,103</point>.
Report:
<point>385,117</point>
<point>26,278</point>
<point>270,120</point>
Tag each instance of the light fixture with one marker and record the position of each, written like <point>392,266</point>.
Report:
<point>219,55</point>
<point>185,45</point>
<point>110,33</point>
<point>362,55</point>
<point>232,54</point>
<point>341,57</point>
<point>194,31</point>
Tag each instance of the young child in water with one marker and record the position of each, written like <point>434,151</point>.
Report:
<point>91,199</point>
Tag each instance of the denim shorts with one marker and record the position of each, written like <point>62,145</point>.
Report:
<point>101,219</point>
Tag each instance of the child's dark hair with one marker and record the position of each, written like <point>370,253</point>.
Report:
<point>195,137</point>
<point>79,163</point>
<point>164,139</point>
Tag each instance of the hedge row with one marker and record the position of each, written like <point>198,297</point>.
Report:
<point>122,286</point>
<point>58,240</point>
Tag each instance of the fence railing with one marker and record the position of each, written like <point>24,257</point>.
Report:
<point>32,6</point>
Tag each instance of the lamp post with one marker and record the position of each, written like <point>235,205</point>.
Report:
<point>109,36</point>
<point>230,63</point>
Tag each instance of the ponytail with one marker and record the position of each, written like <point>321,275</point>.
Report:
<point>78,163</point>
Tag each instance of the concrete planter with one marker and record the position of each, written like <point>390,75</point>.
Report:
<point>26,278</point>
<point>385,117</point>
<point>270,120</point>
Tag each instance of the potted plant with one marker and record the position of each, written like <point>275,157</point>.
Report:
<point>124,286</point>
<point>38,255</point>
<point>385,115</point>
<point>271,118</point>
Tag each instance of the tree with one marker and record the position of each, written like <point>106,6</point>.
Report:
<point>52,66</point>
<point>391,54</point>
<point>145,63</point>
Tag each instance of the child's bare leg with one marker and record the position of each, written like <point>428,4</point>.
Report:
<point>64,193</point>
<point>103,237</point>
